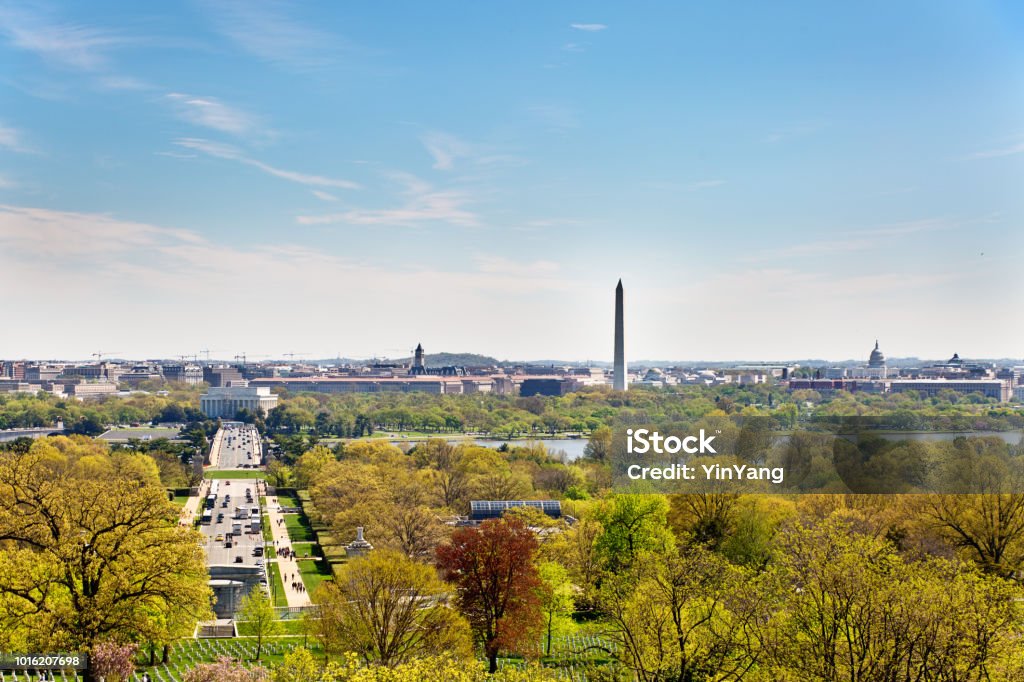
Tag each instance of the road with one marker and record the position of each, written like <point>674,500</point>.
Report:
<point>235,447</point>
<point>233,506</point>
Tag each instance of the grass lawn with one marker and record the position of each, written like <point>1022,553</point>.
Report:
<point>180,500</point>
<point>298,527</point>
<point>187,650</point>
<point>313,573</point>
<point>305,550</point>
<point>277,585</point>
<point>288,501</point>
<point>235,473</point>
<point>333,551</point>
<point>268,534</point>
<point>143,433</point>
<point>398,436</point>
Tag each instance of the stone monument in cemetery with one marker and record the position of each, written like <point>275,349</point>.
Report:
<point>359,546</point>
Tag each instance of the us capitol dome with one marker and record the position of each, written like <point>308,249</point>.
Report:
<point>877,358</point>
<point>876,368</point>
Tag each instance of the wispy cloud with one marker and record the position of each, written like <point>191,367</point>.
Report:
<point>57,234</point>
<point>324,196</point>
<point>1008,150</point>
<point>71,45</point>
<point>549,223</point>
<point>704,184</point>
<point>573,47</point>
<point>176,155</point>
<point>863,239</point>
<point>13,140</point>
<point>266,30</point>
<point>592,28</point>
<point>445,149</point>
<point>795,130</point>
<point>225,151</point>
<point>500,264</point>
<point>122,83</point>
<point>422,204</point>
<point>449,150</point>
<point>93,257</point>
<point>210,112</point>
<point>7,183</point>
<point>555,117</point>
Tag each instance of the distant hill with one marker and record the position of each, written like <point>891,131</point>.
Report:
<point>457,359</point>
<point>431,359</point>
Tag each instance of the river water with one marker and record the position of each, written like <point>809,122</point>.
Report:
<point>573,447</point>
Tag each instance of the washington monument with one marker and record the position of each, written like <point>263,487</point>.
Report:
<point>620,347</point>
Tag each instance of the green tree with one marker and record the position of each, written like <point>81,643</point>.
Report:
<point>849,608</point>
<point>390,610</point>
<point>258,610</point>
<point>91,551</point>
<point>632,524</point>
<point>310,464</point>
<point>299,665</point>
<point>599,447</point>
<point>556,599</point>
<point>684,617</point>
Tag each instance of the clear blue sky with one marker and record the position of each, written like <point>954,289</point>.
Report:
<point>770,180</point>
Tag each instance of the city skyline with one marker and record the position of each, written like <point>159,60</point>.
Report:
<point>788,183</point>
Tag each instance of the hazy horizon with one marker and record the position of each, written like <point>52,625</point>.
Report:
<point>253,360</point>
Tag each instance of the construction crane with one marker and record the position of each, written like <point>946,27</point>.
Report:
<point>99,354</point>
<point>206,352</point>
<point>293,355</point>
<point>244,358</point>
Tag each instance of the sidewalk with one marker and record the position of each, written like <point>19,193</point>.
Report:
<point>193,504</point>
<point>288,566</point>
<point>215,449</point>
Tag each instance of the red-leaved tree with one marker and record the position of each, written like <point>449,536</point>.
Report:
<point>498,583</point>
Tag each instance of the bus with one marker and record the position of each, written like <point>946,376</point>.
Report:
<point>207,518</point>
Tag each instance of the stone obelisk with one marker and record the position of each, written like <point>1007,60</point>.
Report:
<point>620,383</point>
